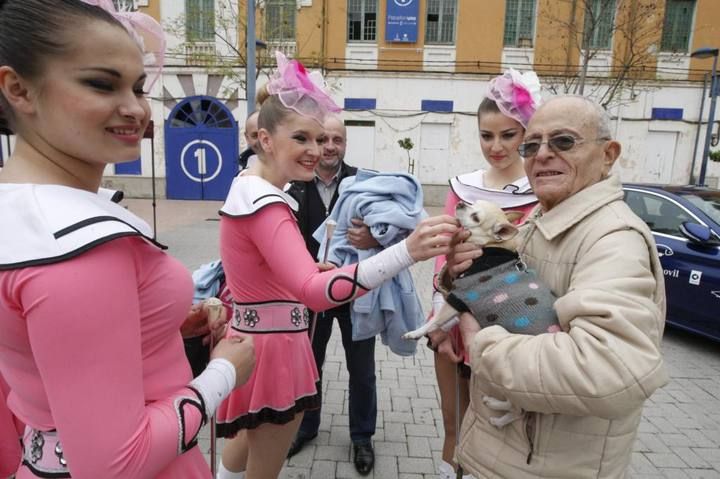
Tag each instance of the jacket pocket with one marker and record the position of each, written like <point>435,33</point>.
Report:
<point>532,431</point>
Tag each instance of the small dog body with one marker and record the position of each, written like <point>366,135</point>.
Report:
<point>497,289</point>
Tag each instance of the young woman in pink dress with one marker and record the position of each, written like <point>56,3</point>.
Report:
<point>502,116</point>
<point>90,307</point>
<point>274,280</point>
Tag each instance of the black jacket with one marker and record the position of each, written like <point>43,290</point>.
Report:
<point>311,213</point>
<point>311,210</point>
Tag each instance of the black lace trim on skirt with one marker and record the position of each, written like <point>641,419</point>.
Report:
<point>267,415</point>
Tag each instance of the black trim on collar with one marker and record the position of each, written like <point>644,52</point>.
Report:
<point>269,195</point>
<point>77,252</point>
<point>222,213</point>
<point>88,222</point>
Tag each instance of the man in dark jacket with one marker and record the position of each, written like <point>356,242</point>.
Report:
<point>316,199</point>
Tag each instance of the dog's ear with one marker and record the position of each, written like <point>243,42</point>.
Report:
<point>514,216</point>
<point>504,231</point>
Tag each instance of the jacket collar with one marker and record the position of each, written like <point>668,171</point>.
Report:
<point>578,206</point>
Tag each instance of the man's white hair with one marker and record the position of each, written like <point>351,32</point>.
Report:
<point>599,116</point>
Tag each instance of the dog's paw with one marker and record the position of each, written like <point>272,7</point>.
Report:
<point>511,415</point>
<point>497,404</point>
<point>502,421</point>
<point>412,335</point>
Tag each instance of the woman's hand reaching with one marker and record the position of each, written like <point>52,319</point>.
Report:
<point>432,237</point>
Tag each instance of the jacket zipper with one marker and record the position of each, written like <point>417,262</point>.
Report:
<point>530,426</point>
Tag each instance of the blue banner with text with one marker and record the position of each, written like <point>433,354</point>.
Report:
<point>401,24</point>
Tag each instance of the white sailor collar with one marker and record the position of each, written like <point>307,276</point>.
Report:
<point>250,193</point>
<point>470,187</point>
<point>46,224</point>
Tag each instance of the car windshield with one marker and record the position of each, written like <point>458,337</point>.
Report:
<point>709,203</point>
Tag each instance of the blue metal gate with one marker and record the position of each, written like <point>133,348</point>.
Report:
<point>201,149</point>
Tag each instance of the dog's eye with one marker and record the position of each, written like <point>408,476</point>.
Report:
<point>475,217</point>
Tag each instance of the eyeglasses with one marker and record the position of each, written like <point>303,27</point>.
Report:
<point>557,144</point>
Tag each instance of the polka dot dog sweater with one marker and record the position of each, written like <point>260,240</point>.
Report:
<point>499,289</point>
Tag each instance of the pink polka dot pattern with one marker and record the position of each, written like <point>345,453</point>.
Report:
<point>554,329</point>
<point>500,298</point>
<point>533,286</point>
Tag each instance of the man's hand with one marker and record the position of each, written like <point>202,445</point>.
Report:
<point>461,253</point>
<point>359,235</point>
<point>443,344</point>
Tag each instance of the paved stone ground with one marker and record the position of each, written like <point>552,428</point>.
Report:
<point>679,436</point>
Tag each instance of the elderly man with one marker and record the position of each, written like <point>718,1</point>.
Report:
<point>580,392</point>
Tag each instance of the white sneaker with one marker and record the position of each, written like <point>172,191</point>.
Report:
<point>446,471</point>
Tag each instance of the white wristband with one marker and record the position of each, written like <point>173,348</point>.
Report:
<point>374,271</point>
<point>215,383</point>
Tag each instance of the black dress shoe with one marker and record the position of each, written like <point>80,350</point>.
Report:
<point>364,458</point>
<point>298,443</point>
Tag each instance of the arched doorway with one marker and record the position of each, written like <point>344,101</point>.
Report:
<point>201,149</point>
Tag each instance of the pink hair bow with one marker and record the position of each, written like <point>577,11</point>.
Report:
<point>146,31</point>
<point>304,93</point>
<point>516,94</point>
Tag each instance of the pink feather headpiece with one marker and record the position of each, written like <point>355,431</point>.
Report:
<point>516,94</point>
<point>302,92</point>
<point>146,31</point>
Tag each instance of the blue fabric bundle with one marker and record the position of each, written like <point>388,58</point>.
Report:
<point>391,204</point>
<point>207,280</point>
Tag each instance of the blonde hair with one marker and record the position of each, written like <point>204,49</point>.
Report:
<point>272,111</point>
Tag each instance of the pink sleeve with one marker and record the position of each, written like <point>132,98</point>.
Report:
<point>276,234</point>
<point>83,324</point>
<point>10,451</point>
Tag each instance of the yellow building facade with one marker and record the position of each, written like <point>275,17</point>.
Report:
<point>421,75</point>
<point>485,35</point>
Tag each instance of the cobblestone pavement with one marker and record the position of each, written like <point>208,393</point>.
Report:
<point>679,436</point>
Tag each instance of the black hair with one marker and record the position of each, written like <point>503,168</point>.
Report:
<point>31,31</point>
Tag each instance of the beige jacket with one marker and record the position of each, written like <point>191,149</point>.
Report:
<point>585,387</point>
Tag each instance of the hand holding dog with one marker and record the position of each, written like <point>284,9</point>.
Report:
<point>443,344</point>
<point>462,253</point>
<point>432,237</point>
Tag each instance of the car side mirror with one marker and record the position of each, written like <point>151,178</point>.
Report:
<point>696,233</point>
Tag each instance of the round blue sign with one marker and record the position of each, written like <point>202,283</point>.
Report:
<point>201,161</point>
